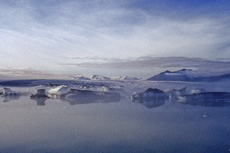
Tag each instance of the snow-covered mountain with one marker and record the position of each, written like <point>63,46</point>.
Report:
<point>183,75</point>
<point>99,77</point>
<point>103,78</point>
<point>81,78</point>
<point>88,77</point>
<point>180,75</point>
<point>125,78</point>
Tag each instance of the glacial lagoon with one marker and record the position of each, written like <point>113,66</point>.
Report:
<point>116,124</point>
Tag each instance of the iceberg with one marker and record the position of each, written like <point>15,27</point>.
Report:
<point>58,91</point>
<point>40,93</point>
<point>9,92</point>
<point>174,93</point>
<point>198,90</point>
<point>9,95</point>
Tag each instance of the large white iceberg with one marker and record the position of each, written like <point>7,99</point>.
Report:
<point>58,91</point>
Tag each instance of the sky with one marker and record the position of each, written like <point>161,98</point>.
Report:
<point>112,37</point>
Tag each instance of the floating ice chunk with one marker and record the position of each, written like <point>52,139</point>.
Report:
<point>5,91</point>
<point>9,92</point>
<point>197,90</point>
<point>106,89</point>
<point>40,97</point>
<point>9,95</point>
<point>40,93</point>
<point>171,93</point>
<point>175,93</point>
<point>58,91</point>
<point>181,91</point>
<point>149,94</point>
<point>150,98</point>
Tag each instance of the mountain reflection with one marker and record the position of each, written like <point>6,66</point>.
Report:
<point>206,99</point>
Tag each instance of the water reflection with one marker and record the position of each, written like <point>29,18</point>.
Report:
<point>150,98</point>
<point>152,103</point>
<point>9,95</point>
<point>206,99</point>
<point>40,97</point>
<point>75,96</point>
<point>40,100</point>
<point>154,97</point>
<point>86,96</point>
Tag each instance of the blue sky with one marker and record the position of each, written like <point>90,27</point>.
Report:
<point>61,36</point>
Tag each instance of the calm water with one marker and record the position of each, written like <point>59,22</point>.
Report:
<point>56,125</point>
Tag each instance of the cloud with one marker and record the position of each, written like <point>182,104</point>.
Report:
<point>143,67</point>
<point>199,65</point>
<point>8,74</point>
<point>42,34</point>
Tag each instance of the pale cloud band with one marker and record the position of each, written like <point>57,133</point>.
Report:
<point>130,67</point>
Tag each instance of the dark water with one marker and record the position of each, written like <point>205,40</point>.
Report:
<point>55,125</point>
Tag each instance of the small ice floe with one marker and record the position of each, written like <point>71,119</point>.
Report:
<point>171,93</point>
<point>9,92</point>
<point>100,88</point>
<point>148,94</point>
<point>198,90</point>
<point>9,95</point>
<point>87,87</point>
<point>58,91</point>
<point>40,93</point>
<point>175,93</point>
<point>40,97</point>
<point>181,91</point>
<point>5,91</point>
<point>150,98</point>
<point>106,88</point>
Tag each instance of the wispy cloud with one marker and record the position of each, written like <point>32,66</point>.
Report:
<point>42,34</point>
<point>8,74</point>
<point>199,65</point>
<point>138,67</point>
